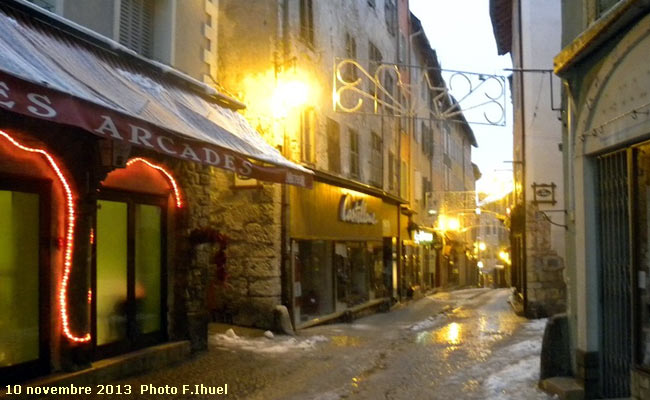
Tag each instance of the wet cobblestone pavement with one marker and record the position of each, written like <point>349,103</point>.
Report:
<point>460,345</point>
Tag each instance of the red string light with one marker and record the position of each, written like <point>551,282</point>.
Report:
<point>68,241</point>
<point>177,194</point>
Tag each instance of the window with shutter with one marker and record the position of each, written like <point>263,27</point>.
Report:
<point>350,72</point>
<point>391,171</point>
<point>390,14</point>
<point>307,21</point>
<point>376,161</point>
<point>136,25</point>
<point>354,153</point>
<point>333,146</point>
<point>308,133</point>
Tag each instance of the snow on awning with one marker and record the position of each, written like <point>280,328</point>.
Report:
<point>48,74</point>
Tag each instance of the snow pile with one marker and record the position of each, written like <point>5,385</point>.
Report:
<point>428,323</point>
<point>514,380</point>
<point>268,344</point>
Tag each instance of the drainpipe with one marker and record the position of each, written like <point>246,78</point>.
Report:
<point>523,159</point>
<point>286,271</point>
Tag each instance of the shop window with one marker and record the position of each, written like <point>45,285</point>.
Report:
<point>354,153</point>
<point>25,230</point>
<point>130,236</point>
<point>136,25</point>
<point>333,146</point>
<point>308,133</point>
<point>307,22</point>
<point>129,269</point>
<point>376,161</point>
<point>19,278</point>
<point>313,269</point>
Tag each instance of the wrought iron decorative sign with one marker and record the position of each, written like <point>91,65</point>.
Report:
<point>355,211</point>
<point>395,89</point>
<point>544,193</point>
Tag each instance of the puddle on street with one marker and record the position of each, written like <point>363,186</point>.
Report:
<point>345,341</point>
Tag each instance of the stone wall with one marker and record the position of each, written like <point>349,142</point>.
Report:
<point>640,385</point>
<point>544,268</point>
<point>250,220</point>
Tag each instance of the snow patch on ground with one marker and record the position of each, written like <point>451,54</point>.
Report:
<point>428,323</point>
<point>266,345</point>
<point>510,381</point>
<point>526,347</point>
<point>516,381</point>
<point>536,325</point>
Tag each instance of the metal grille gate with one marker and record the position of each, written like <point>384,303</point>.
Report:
<point>616,291</point>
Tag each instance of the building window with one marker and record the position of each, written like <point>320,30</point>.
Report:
<point>49,5</point>
<point>404,182</point>
<point>350,72</point>
<point>389,95</point>
<point>426,188</point>
<point>402,47</point>
<point>308,134</point>
<point>136,25</point>
<point>307,21</point>
<point>354,153</point>
<point>390,13</point>
<point>333,146</point>
<point>391,171</point>
<point>375,57</point>
<point>376,161</point>
<point>427,140</point>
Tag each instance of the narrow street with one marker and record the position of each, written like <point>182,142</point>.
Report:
<point>466,344</point>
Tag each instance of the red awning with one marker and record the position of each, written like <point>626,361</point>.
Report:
<point>52,75</point>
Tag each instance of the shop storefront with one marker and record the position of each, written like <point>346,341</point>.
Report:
<point>342,250</point>
<point>98,191</point>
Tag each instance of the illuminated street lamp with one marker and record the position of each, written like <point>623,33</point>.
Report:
<point>446,223</point>
<point>505,256</point>
<point>289,95</point>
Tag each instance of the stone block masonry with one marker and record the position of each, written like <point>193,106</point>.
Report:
<point>250,219</point>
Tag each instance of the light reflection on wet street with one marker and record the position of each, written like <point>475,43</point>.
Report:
<point>465,344</point>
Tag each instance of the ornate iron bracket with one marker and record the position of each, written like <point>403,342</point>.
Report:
<point>395,89</point>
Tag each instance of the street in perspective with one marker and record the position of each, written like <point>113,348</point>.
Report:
<point>325,199</point>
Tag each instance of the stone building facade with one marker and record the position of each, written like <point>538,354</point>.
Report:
<point>604,69</point>
<point>529,31</point>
